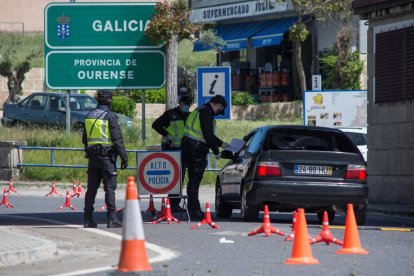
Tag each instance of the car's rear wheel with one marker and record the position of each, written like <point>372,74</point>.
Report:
<point>222,209</point>
<point>331,216</point>
<point>248,212</point>
<point>361,214</point>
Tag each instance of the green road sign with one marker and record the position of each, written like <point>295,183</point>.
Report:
<point>97,25</point>
<point>115,69</point>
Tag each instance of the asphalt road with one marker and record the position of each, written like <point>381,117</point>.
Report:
<point>183,251</point>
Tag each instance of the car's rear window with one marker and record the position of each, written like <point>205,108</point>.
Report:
<point>304,139</point>
<point>359,139</point>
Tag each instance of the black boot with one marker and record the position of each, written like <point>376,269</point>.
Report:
<point>88,221</point>
<point>113,221</point>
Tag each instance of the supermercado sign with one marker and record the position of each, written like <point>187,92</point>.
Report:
<point>159,172</point>
<point>336,108</point>
<point>237,10</point>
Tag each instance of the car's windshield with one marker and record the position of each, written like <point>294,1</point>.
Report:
<point>82,103</point>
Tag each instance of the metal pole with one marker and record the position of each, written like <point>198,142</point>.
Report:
<point>143,116</point>
<point>68,103</point>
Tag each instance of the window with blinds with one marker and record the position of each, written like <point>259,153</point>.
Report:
<point>394,66</point>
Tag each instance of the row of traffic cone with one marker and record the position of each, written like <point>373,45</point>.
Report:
<point>76,190</point>
<point>5,200</point>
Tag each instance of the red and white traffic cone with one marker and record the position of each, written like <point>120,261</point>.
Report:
<point>266,227</point>
<point>53,191</point>
<point>151,208</point>
<point>168,216</point>
<point>292,234</point>
<point>80,192</point>
<point>11,189</point>
<point>325,235</point>
<point>206,220</point>
<point>67,203</point>
<point>103,208</point>
<point>74,190</point>
<point>162,212</point>
<point>5,200</point>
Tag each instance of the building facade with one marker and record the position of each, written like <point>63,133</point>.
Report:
<point>390,96</point>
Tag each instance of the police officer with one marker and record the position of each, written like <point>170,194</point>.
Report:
<point>103,142</point>
<point>171,126</point>
<point>198,138</point>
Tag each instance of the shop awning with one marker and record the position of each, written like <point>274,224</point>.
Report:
<point>272,33</point>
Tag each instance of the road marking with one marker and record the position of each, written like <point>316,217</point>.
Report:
<point>165,254</point>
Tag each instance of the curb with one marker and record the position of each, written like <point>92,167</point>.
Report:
<point>19,248</point>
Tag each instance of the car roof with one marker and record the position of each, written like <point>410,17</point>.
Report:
<point>354,129</point>
<point>58,93</point>
<point>316,128</point>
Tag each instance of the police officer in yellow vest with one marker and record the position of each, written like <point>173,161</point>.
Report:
<point>198,139</point>
<point>171,126</point>
<point>103,142</point>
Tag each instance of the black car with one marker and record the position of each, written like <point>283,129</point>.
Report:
<point>289,167</point>
<point>49,108</point>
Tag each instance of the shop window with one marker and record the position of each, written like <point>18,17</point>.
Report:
<point>394,66</point>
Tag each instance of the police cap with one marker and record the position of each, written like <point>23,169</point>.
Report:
<point>104,97</point>
<point>186,100</point>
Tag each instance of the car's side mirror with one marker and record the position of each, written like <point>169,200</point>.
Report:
<point>226,154</point>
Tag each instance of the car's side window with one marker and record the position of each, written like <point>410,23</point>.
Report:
<point>38,102</point>
<point>255,142</point>
<point>88,103</point>
<point>55,102</point>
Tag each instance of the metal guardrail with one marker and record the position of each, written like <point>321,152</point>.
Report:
<point>211,161</point>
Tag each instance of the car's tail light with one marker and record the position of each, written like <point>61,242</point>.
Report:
<point>356,172</point>
<point>268,169</point>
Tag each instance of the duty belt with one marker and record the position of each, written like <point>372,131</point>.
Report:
<point>100,150</point>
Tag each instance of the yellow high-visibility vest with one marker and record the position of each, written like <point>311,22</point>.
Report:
<point>176,132</point>
<point>192,127</point>
<point>97,129</point>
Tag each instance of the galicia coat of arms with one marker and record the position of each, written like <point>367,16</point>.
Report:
<point>63,30</point>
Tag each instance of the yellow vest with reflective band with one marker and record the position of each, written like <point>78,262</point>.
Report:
<point>175,132</point>
<point>192,127</point>
<point>97,129</point>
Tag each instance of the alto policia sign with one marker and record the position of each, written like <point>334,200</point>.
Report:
<point>101,45</point>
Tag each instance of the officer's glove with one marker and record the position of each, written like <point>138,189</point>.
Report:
<point>124,164</point>
<point>217,156</point>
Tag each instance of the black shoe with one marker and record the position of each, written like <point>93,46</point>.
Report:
<point>197,215</point>
<point>114,224</point>
<point>89,224</point>
<point>177,209</point>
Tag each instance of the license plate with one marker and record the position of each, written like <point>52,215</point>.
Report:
<point>313,170</point>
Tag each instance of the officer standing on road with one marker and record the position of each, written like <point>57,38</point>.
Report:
<point>171,126</point>
<point>198,138</point>
<point>103,142</point>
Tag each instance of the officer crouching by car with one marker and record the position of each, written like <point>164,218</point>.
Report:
<point>103,142</point>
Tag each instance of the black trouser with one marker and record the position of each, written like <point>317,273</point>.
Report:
<point>195,159</point>
<point>101,170</point>
<point>174,198</point>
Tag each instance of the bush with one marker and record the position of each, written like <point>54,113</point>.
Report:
<point>123,105</point>
<point>242,98</point>
<point>151,95</point>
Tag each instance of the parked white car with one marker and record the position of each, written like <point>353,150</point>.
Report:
<point>359,137</point>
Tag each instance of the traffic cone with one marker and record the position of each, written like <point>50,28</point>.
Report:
<point>266,227</point>
<point>167,216</point>
<point>301,253</point>
<point>292,234</point>
<point>352,244</point>
<point>74,190</point>
<point>5,200</point>
<point>105,207</point>
<point>80,192</point>
<point>325,235</point>
<point>53,191</point>
<point>11,189</point>
<point>207,219</point>
<point>133,253</point>
<point>162,212</point>
<point>67,203</point>
<point>151,208</point>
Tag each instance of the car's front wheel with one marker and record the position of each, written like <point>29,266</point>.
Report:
<point>248,212</point>
<point>222,209</point>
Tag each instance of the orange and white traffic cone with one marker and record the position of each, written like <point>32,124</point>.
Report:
<point>133,253</point>
<point>162,211</point>
<point>301,253</point>
<point>207,219</point>
<point>151,208</point>
<point>53,191</point>
<point>266,227</point>
<point>352,243</point>
<point>167,216</point>
<point>67,203</point>
<point>325,235</point>
<point>80,192</point>
<point>11,189</point>
<point>292,234</point>
<point>74,190</point>
<point>5,200</point>
<point>103,208</point>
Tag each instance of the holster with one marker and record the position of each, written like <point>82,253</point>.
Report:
<point>100,151</point>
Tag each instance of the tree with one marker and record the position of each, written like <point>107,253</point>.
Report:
<point>320,9</point>
<point>16,54</point>
<point>170,25</point>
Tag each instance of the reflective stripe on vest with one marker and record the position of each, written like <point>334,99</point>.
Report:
<point>176,132</point>
<point>97,129</point>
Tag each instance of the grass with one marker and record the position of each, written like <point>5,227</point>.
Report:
<point>46,137</point>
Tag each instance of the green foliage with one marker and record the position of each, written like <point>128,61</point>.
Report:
<point>242,98</point>
<point>151,95</point>
<point>298,32</point>
<point>123,105</point>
